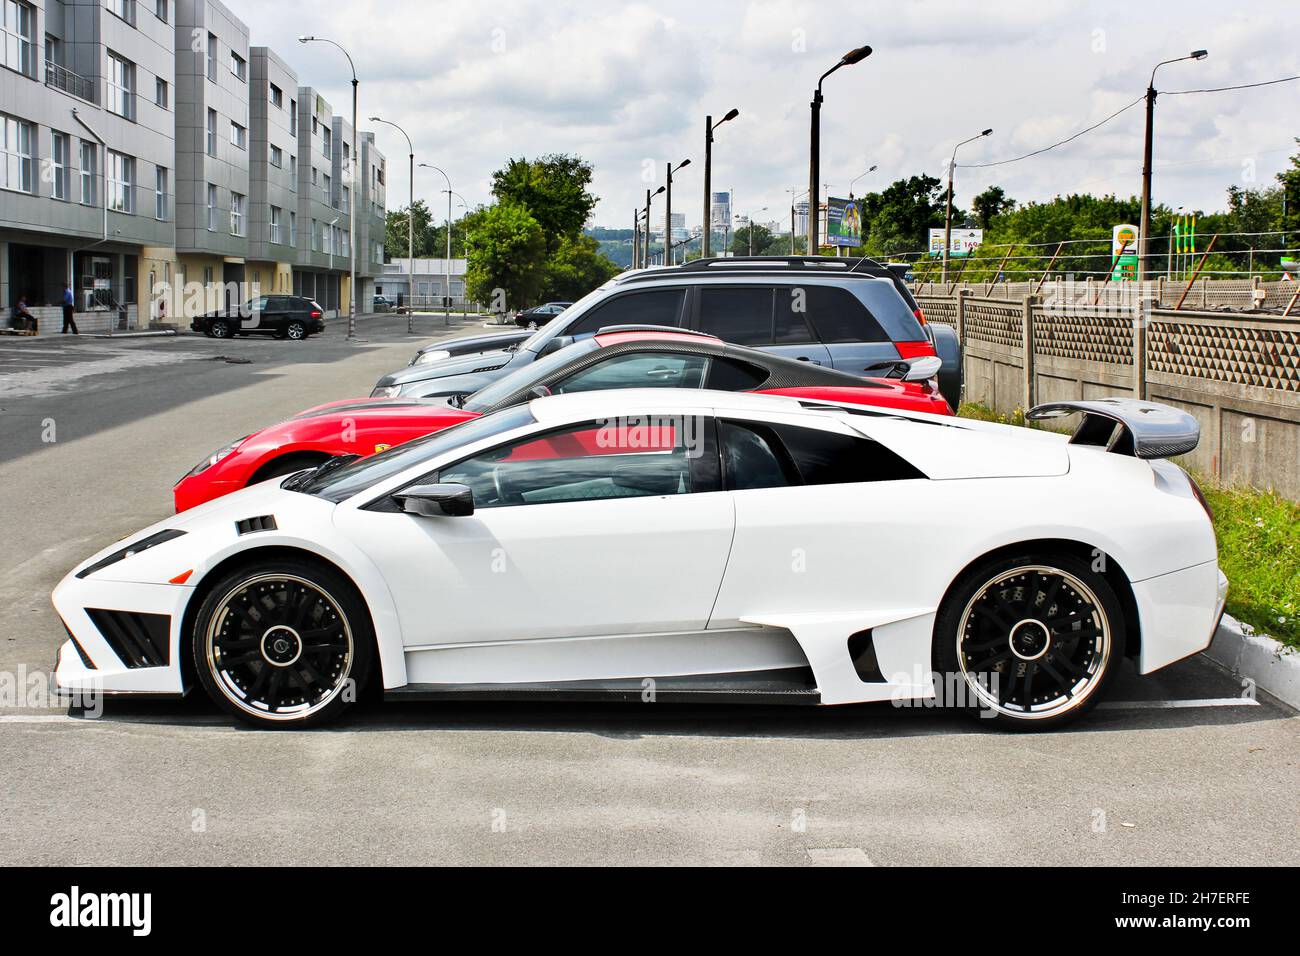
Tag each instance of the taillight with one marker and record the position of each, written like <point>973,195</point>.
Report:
<point>1200,496</point>
<point>315,315</point>
<point>920,316</point>
<point>911,350</point>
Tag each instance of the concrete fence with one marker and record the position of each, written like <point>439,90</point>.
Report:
<point>1203,294</point>
<point>1238,374</point>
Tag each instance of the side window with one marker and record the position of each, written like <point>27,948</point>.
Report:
<point>742,316</point>
<point>828,458</point>
<point>637,370</point>
<point>730,375</point>
<point>753,458</point>
<point>278,303</point>
<point>791,319</point>
<point>619,459</point>
<point>258,304</point>
<point>652,307</point>
<point>838,316</point>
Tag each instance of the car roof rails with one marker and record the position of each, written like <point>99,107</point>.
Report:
<point>612,329</point>
<point>860,266</point>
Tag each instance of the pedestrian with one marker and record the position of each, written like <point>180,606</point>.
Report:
<point>68,301</point>
<point>22,318</point>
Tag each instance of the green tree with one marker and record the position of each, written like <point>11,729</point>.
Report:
<point>554,189</point>
<point>990,203</point>
<point>765,242</point>
<point>506,250</point>
<point>395,244</point>
<point>898,219</point>
<point>576,267</point>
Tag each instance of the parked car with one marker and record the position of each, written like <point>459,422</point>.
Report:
<point>539,315</point>
<point>853,315</point>
<point>468,345</point>
<point>614,359</point>
<point>284,316</point>
<point>382,303</point>
<point>707,546</point>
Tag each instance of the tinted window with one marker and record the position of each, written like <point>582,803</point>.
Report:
<point>278,303</point>
<point>827,458</point>
<point>838,316</point>
<point>791,320</point>
<point>581,463</point>
<point>739,315</point>
<point>750,458</point>
<point>637,370</point>
<point>652,307</point>
<point>729,375</point>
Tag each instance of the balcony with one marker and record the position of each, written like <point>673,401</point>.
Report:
<point>71,83</point>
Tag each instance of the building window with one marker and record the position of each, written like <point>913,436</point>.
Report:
<point>212,132</point>
<point>160,194</point>
<point>238,66</point>
<point>313,125</point>
<point>16,147</point>
<point>160,94</point>
<point>347,198</point>
<point>17,21</point>
<point>293,173</point>
<point>160,10</point>
<point>120,171</point>
<point>236,214</point>
<point>293,116</point>
<point>293,229</point>
<point>60,161</point>
<point>238,135</point>
<point>89,170</point>
<point>212,208</point>
<point>120,82</point>
<point>326,191</point>
<point>276,213</point>
<point>277,97</point>
<point>277,156</point>
<point>327,141</point>
<point>212,57</point>
<point>315,236</point>
<point>207,275</point>
<point>122,9</point>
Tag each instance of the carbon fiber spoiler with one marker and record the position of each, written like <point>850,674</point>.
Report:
<point>1127,426</point>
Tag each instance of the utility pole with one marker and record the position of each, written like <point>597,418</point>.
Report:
<point>815,145</point>
<point>947,218</point>
<point>636,238</point>
<point>668,211</point>
<point>709,127</point>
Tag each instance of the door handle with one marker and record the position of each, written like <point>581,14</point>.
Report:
<point>805,358</point>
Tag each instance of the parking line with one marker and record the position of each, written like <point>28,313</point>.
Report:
<point>1160,704</point>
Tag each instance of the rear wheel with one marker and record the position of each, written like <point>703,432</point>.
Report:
<point>220,329</point>
<point>283,643</point>
<point>296,330</point>
<point>1032,640</point>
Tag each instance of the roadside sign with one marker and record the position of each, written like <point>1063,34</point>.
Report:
<point>1124,251</point>
<point>843,222</point>
<point>964,242</point>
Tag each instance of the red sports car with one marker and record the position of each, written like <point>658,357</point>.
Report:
<point>617,358</point>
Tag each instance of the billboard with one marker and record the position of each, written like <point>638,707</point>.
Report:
<point>843,222</point>
<point>964,242</point>
<point>1124,251</point>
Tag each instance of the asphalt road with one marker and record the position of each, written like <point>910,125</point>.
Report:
<point>1174,769</point>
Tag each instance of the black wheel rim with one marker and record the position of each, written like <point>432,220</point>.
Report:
<point>279,647</point>
<point>1033,642</point>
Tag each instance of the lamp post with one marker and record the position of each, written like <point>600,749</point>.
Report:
<point>410,225</point>
<point>814,146</point>
<point>668,210</point>
<point>1145,227</point>
<point>352,202</point>
<point>709,127</point>
<point>855,180</point>
<point>446,265</point>
<point>947,219</point>
<point>749,224</point>
<point>645,253</point>
<point>636,237</point>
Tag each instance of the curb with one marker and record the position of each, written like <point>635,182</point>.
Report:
<point>1257,657</point>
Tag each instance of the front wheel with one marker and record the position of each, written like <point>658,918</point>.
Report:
<point>283,644</point>
<point>1032,640</point>
<point>220,329</point>
<point>296,331</point>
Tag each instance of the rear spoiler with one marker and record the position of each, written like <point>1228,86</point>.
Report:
<point>1127,426</point>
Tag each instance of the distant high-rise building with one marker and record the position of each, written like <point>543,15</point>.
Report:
<point>679,227</point>
<point>801,218</point>
<point>720,211</point>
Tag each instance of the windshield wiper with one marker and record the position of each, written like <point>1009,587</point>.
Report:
<point>320,471</point>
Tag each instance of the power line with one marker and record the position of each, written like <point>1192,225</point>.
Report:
<point>1224,89</point>
<point>1003,162</point>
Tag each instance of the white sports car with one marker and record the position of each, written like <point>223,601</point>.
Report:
<point>666,544</point>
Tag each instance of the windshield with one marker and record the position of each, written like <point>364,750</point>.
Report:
<point>522,379</point>
<point>555,326</point>
<point>342,483</point>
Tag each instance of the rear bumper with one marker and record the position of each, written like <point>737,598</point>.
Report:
<point>1179,613</point>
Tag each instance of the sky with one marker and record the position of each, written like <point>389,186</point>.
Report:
<point>627,87</point>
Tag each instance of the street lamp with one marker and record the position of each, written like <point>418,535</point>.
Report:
<point>645,253</point>
<point>709,127</point>
<point>668,211</point>
<point>352,203</point>
<point>947,219</point>
<point>749,224</point>
<point>814,147</point>
<point>410,226</point>
<point>446,262</point>
<point>1145,228</point>
<point>854,183</point>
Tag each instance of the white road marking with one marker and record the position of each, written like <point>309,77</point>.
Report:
<point>838,856</point>
<point>1160,704</point>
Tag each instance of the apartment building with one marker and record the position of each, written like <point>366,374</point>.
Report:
<point>162,165</point>
<point>87,177</point>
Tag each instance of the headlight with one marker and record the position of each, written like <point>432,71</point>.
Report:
<point>144,544</point>
<point>215,457</point>
<point>424,358</point>
<point>386,391</point>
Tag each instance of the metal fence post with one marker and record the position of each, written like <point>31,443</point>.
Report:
<point>962,295</point>
<point>1027,330</point>
<point>1146,304</point>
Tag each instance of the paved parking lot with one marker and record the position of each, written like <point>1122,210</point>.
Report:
<point>1178,768</point>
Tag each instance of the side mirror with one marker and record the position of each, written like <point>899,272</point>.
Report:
<point>555,344</point>
<point>539,391</point>
<point>437,501</point>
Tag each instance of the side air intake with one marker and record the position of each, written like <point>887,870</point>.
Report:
<point>252,525</point>
<point>139,640</point>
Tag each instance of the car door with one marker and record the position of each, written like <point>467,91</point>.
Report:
<point>252,314</point>
<point>588,530</point>
<point>279,309</point>
<point>759,316</point>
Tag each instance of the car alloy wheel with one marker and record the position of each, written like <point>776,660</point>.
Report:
<point>219,330</point>
<point>296,331</point>
<point>278,647</point>
<point>1034,642</point>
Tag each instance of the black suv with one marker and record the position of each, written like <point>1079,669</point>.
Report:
<point>284,316</point>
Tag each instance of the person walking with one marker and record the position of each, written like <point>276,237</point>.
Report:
<point>68,301</point>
